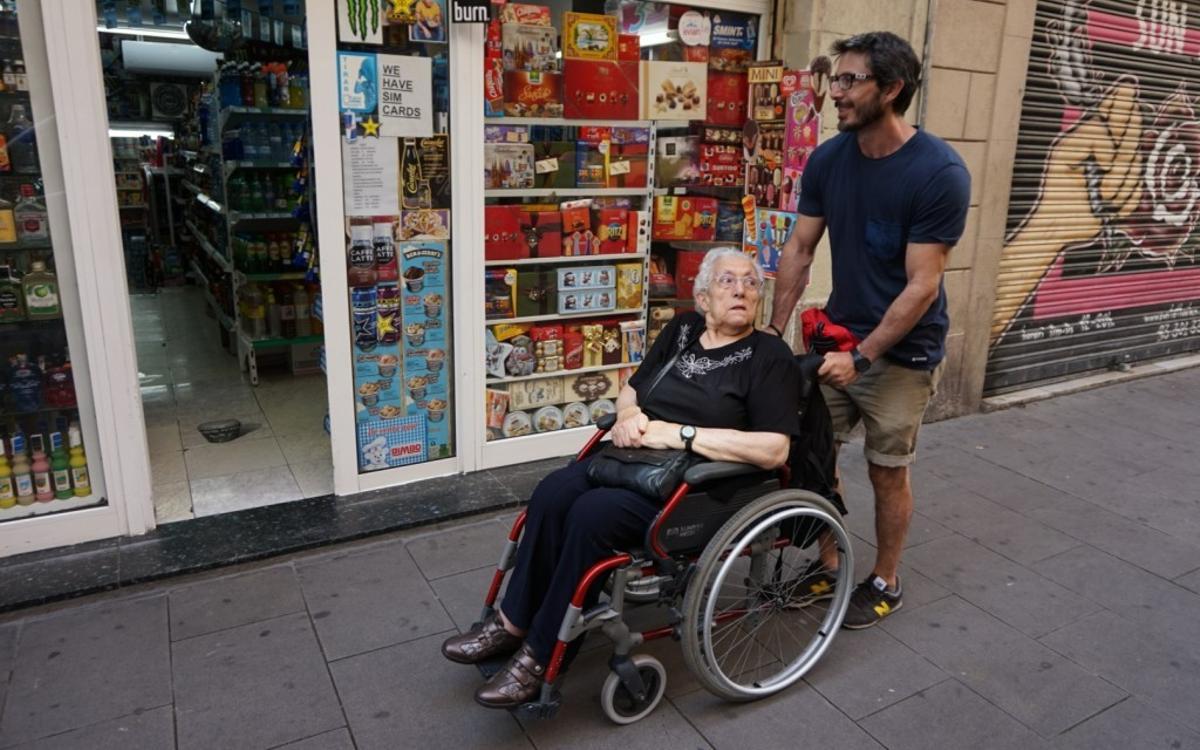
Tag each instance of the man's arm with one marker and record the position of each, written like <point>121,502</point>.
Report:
<point>795,268</point>
<point>924,264</point>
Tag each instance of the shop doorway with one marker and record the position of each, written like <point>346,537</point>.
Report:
<point>210,128</point>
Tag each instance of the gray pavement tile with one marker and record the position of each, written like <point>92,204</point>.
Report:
<point>581,723</point>
<point>227,682</point>
<point>1016,595</point>
<point>365,600</point>
<point>1129,724</point>
<point>147,730</point>
<point>1190,580</point>
<point>85,665</point>
<point>1028,681</point>
<point>466,547</point>
<point>949,715</point>
<point>1155,603</point>
<point>234,600</point>
<point>867,670</point>
<point>462,595</point>
<point>338,739</point>
<point>1164,674</point>
<point>1017,537</point>
<point>8,645</point>
<point>1004,486</point>
<point>409,693</point>
<point>796,717</point>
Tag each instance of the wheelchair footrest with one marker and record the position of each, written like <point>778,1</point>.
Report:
<point>539,709</point>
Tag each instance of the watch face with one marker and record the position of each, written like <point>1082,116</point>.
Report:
<point>687,432</point>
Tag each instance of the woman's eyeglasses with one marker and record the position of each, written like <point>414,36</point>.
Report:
<point>846,81</point>
<point>750,283</point>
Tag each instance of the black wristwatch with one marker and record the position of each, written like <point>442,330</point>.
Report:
<point>687,434</point>
<point>861,363</point>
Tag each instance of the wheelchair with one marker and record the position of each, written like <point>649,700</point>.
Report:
<point>721,562</point>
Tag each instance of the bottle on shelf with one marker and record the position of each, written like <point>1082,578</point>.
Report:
<point>287,313</point>
<point>361,254</point>
<point>33,222</point>
<point>43,488</point>
<point>254,316</point>
<point>8,494</point>
<point>22,78</point>
<point>60,467</point>
<point>274,324</point>
<point>246,74</point>
<point>410,176</point>
<point>77,462</point>
<point>22,140</point>
<point>12,295</point>
<point>318,328</point>
<point>24,385</point>
<point>40,288</point>
<point>5,162</point>
<point>302,302</point>
<point>9,76</point>
<point>22,471</point>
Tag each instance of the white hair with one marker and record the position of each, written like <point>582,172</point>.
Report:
<point>704,277</point>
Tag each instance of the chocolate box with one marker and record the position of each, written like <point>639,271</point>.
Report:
<point>628,164</point>
<point>503,239</point>
<point>554,164</point>
<point>733,41</point>
<point>574,278</point>
<point>684,218</point>
<point>589,386</point>
<point>531,394</point>
<point>499,292</point>
<point>687,265</point>
<point>532,94</point>
<point>612,225</point>
<point>720,135</point>
<point>629,285</point>
<point>537,292</point>
<point>578,237</point>
<point>493,87</point>
<point>674,90</point>
<point>730,220</point>
<point>611,352</point>
<point>600,89</point>
<point>508,165</point>
<point>524,13</point>
<point>506,134</point>
<point>629,47</point>
<point>721,166</point>
<point>677,161</point>
<point>542,233</point>
<point>529,47</point>
<point>589,36</point>
<point>727,94</point>
<point>638,238</point>
<point>587,300</point>
<point>591,168</point>
<point>766,98</point>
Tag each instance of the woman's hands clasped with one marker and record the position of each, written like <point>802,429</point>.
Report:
<point>629,429</point>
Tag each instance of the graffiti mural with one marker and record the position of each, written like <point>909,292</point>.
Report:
<point>1100,262</point>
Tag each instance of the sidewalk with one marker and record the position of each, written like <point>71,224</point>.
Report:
<point>1052,600</point>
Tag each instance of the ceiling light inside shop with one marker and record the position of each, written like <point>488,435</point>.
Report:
<point>161,32</point>
<point>130,130</point>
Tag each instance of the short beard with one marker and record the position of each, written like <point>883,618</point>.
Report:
<point>869,112</point>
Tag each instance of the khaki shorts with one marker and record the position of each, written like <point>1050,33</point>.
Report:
<point>890,401</point>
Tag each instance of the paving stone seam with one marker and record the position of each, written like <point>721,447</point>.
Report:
<point>687,719</point>
<point>35,741</point>
<point>321,648</point>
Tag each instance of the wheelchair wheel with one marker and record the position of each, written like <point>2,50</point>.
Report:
<point>620,705</point>
<point>748,632</point>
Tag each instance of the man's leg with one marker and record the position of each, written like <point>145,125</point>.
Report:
<point>893,512</point>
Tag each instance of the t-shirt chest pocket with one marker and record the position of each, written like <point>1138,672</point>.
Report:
<point>884,239</point>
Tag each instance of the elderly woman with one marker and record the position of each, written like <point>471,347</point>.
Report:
<point>731,395</point>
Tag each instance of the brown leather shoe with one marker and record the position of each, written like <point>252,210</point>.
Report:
<point>482,643</point>
<point>519,682</point>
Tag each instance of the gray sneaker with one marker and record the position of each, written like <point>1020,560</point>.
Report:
<point>815,584</point>
<point>871,602</point>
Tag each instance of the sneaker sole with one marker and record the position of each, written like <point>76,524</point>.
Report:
<point>872,623</point>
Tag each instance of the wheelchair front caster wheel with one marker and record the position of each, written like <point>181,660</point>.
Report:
<point>620,705</point>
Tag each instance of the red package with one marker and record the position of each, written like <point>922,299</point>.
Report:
<point>600,89</point>
<point>594,134</point>
<point>502,233</point>
<point>687,265</point>
<point>612,225</point>
<point>628,164</point>
<point>578,238</point>
<point>629,47</point>
<point>721,165</point>
<point>542,232</point>
<point>493,87</point>
<point>684,218</point>
<point>530,93</point>
<point>572,349</point>
<point>727,94</point>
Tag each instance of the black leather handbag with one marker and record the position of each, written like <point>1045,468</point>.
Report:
<point>652,472</point>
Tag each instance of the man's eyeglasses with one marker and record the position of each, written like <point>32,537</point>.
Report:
<point>749,283</point>
<point>845,81</point>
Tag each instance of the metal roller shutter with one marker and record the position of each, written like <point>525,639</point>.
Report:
<point>1100,260</point>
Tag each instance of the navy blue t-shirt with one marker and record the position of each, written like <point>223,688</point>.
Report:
<point>873,208</point>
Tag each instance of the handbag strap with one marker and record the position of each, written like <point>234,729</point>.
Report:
<point>671,362</point>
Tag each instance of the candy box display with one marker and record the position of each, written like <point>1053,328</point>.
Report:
<point>524,13</point>
<point>674,90</point>
<point>590,386</point>
<point>629,285</point>
<point>503,239</point>
<point>529,47</point>
<point>548,347</point>
<point>628,164</point>
<point>629,47</point>
<point>537,292</point>
<point>506,134</point>
<point>732,42</point>
<point>610,345</point>
<point>687,265</point>
<point>589,36</point>
<point>766,98</point>
<point>530,394</point>
<point>587,300</point>
<point>542,232</point>
<point>600,89</point>
<point>684,218</point>
<point>590,167</point>
<point>499,292</point>
<point>612,226</point>
<point>727,94</point>
<point>721,166</point>
<point>730,221</point>
<point>633,340</point>
<point>521,360</point>
<point>554,164</point>
<point>529,93</point>
<point>508,165</point>
<point>725,136</point>
<point>638,240</point>
<point>493,87</point>
<point>677,161</point>
<point>586,277</point>
<point>578,238</point>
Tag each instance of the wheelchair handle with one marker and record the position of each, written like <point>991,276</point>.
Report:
<point>809,365</point>
<point>606,422</point>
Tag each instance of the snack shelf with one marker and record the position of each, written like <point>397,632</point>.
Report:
<point>225,321</point>
<point>576,371</point>
<point>208,249</point>
<point>242,278</point>
<point>278,342</point>
<point>199,274</point>
<point>228,113</point>
<point>236,216</point>
<point>564,259</point>
<point>232,166</point>
<point>564,192</point>
<point>698,190</point>
<point>568,123</point>
<point>700,244</point>
<point>565,316</point>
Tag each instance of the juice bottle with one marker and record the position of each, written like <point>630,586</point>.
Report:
<point>301,300</point>
<point>287,314</point>
<point>60,468</point>
<point>22,140</point>
<point>8,496</point>
<point>260,88</point>
<point>22,472</point>
<point>33,223</point>
<point>8,220</point>
<point>43,489</point>
<point>274,329</point>
<point>41,293</point>
<point>78,464</point>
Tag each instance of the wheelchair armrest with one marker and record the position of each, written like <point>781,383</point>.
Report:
<point>606,422</point>
<point>711,471</point>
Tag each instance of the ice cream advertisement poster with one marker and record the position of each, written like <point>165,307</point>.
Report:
<point>765,241</point>
<point>426,339</point>
<point>377,386</point>
<point>388,443</point>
